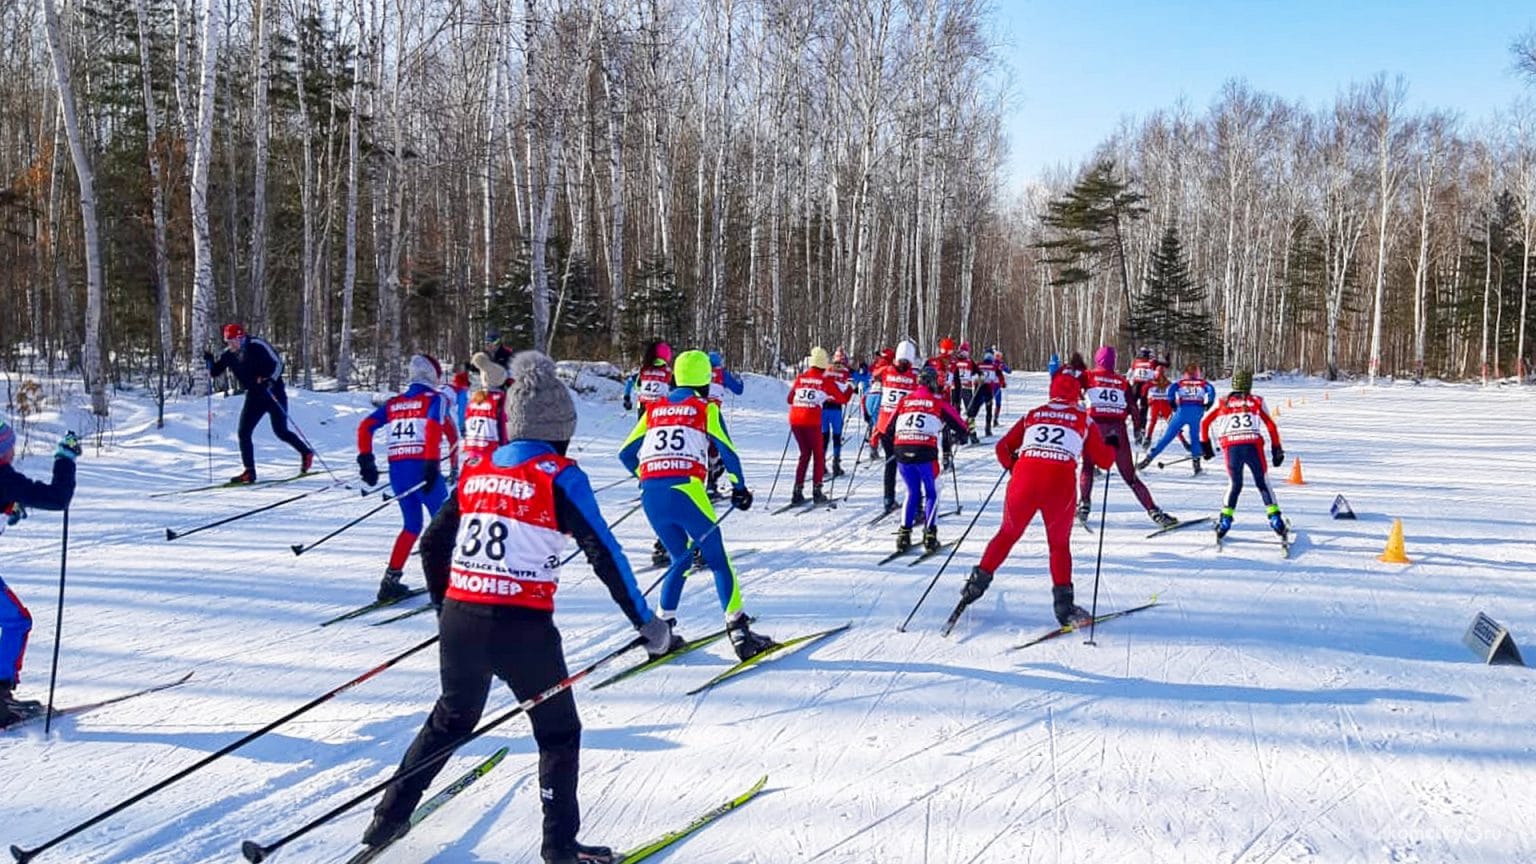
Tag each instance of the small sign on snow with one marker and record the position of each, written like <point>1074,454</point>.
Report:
<point>1341,508</point>
<point>1489,640</point>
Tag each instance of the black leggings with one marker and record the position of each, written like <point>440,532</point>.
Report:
<point>272,404</point>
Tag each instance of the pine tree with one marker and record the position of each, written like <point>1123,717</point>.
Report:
<point>1088,224</point>
<point>656,307</point>
<point>1171,312</point>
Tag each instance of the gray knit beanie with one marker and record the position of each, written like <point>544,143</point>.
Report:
<point>538,405</point>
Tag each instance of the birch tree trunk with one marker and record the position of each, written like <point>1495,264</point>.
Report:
<point>157,206</point>
<point>349,265</point>
<point>261,126</point>
<point>95,378</point>
<point>204,300</point>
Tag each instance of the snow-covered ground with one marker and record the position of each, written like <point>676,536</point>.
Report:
<point>1316,709</point>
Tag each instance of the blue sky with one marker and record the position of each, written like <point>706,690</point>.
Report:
<point>1078,66</point>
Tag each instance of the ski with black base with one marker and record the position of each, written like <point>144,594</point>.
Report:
<point>92,706</point>
<point>653,662</point>
<point>230,484</point>
<point>371,607</point>
<point>825,505</point>
<point>897,554</point>
<point>433,804</point>
<point>790,506</point>
<point>779,649</point>
<point>644,851</point>
<point>1072,628</point>
<point>404,615</point>
<point>875,521</point>
<point>1184,523</point>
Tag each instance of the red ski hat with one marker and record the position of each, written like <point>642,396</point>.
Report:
<point>233,331</point>
<point>1066,388</point>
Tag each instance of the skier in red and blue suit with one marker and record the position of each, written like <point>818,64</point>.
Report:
<point>17,493</point>
<point>416,422</point>
<point>1190,396</point>
<point>1236,421</point>
<point>669,451</point>
<point>917,426</point>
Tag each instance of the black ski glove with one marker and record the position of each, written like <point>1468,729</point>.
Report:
<point>208,360</point>
<point>741,498</point>
<point>628,405</point>
<point>368,469</point>
<point>1206,451</point>
<point>1277,456</point>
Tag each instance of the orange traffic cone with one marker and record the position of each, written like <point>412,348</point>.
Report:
<point>1295,478</point>
<point>1288,403</point>
<point>1394,553</point>
<point>1277,413</point>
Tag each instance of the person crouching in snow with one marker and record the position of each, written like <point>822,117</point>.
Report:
<point>416,422</point>
<point>1041,454</point>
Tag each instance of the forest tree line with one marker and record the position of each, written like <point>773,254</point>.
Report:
<point>356,180</point>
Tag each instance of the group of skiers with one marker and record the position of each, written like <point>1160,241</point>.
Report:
<point>499,523</point>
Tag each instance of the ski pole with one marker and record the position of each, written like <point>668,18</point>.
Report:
<point>288,418</point>
<point>256,852</point>
<point>606,486</point>
<point>58,624</point>
<point>1098,562</point>
<point>955,477</point>
<point>24,855</point>
<point>692,544</point>
<point>952,550</point>
<point>172,534</point>
<point>1162,465</point>
<point>301,548</point>
<point>210,428</point>
<point>857,458</point>
<point>787,436</point>
<point>611,525</point>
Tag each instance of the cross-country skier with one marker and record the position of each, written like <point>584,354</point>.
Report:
<point>808,393</point>
<point>496,347</point>
<point>415,424</point>
<point>17,494</point>
<point>1108,403</point>
<point>989,377</point>
<point>944,364</point>
<point>841,378</point>
<point>1156,395</point>
<point>259,369</point>
<point>967,376</point>
<point>918,422</point>
<point>651,382</point>
<point>1190,397</point>
<point>485,417</point>
<point>896,380</point>
<point>872,399</point>
<point>1236,422</point>
<point>1002,379</point>
<point>669,450</point>
<point>1143,370</point>
<point>1041,452</point>
<point>491,557</point>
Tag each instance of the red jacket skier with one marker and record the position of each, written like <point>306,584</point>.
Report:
<point>1041,452</point>
<point>1109,402</point>
<point>812,389</point>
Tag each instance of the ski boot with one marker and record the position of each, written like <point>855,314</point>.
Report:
<point>1143,463</point>
<point>1083,509</point>
<point>391,589</point>
<point>975,585</point>
<point>384,830</point>
<point>1277,522</point>
<point>698,558</point>
<point>970,431</point>
<point>746,643</point>
<point>244,478</point>
<point>797,496</point>
<point>949,461</point>
<point>1196,462</point>
<point>890,504</point>
<point>1162,519</point>
<point>817,496</point>
<point>13,709</point>
<point>1068,613</point>
<point>659,556</point>
<point>578,853</point>
<point>931,539</point>
<point>903,539</point>
<point>306,461</point>
<point>675,641</point>
<point>837,466</point>
<point>1223,524</point>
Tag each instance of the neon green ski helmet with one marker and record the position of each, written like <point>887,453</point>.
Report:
<point>692,369</point>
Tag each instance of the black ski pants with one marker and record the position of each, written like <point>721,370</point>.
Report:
<point>521,647</point>
<point>271,403</point>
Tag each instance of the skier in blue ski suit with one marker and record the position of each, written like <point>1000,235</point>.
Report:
<point>1190,397</point>
<point>17,493</point>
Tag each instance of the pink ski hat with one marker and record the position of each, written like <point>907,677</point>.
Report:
<point>1104,358</point>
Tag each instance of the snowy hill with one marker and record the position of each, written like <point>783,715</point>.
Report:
<point>1317,709</point>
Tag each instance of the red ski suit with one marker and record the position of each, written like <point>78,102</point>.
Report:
<point>1041,453</point>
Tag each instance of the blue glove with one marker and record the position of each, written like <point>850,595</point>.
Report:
<point>69,447</point>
